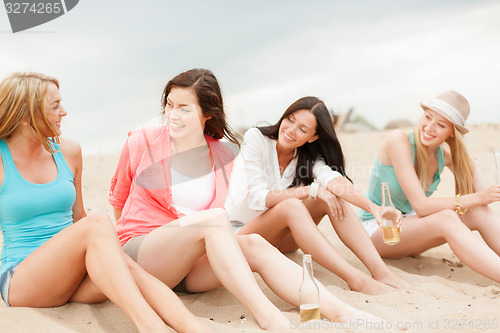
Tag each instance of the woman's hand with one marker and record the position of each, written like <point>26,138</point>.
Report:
<point>490,195</point>
<point>388,214</point>
<point>336,206</point>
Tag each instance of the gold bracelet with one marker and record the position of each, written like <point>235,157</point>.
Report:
<point>458,208</point>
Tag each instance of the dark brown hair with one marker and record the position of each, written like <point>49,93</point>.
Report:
<point>327,146</point>
<point>207,91</point>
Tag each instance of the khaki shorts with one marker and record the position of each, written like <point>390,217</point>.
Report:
<point>132,246</point>
<point>132,249</point>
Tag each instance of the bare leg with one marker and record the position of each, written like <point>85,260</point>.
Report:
<point>353,235</point>
<point>483,219</point>
<point>284,277</point>
<point>161,298</point>
<point>291,216</point>
<point>170,252</point>
<point>54,272</point>
<point>421,234</point>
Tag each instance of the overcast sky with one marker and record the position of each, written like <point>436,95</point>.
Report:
<point>113,58</point>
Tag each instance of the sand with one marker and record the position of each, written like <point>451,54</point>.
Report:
<point>444,295</point>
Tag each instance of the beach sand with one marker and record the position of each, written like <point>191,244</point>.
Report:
<point>444,295</point>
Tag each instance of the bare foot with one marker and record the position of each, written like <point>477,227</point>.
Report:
<point>392,280</point>
<point>369,286</point>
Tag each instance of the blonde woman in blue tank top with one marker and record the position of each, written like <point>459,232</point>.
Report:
<point>47,259</point>
<point>411,163</point>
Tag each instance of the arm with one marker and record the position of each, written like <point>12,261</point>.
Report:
<point>117,212</point>
<point>398,151</point>
<point>121,182</point>
<point>275,197</point>
<point>336,205</point>
<point>485,193</point>
<point>343,188</point>
<point>323,175</point>
<point>72,153</point>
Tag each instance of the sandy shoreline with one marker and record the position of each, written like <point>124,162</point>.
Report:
<point>444,295</point>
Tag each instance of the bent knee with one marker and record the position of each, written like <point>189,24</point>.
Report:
<point>448,215</point>
<point>216,213</point>
<point>447,219</point>
<point>255,248</point>
<point>210,217</point>
<point>254,244</point>
<point>291,205</point>
<point>98,223</point>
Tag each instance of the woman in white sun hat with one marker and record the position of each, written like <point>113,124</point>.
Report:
<point>411,162</point>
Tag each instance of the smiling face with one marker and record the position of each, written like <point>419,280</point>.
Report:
<point>53,110</point>
<point>297,129</point>
<point>184,114</point>
<point>434,129</point>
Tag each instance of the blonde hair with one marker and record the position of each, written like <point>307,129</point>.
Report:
<point>22,98</point>
<point>463,165</point>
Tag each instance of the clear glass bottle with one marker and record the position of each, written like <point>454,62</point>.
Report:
<point>308,292</point>
<point>496,153</point>
<point>389,216</point>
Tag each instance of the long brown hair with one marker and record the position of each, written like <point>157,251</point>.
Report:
<point>327,146</point>
<point>22,98</point>
<point>207,91</point>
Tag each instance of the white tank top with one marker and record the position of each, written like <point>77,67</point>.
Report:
<point>191,195</point>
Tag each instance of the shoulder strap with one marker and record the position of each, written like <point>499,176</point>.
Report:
<point>440,157</point>
<point>61,161</point>
<point>7,160</point>
<point>411,138</point>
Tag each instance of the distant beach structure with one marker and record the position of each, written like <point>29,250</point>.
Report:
<point>348,122</point>
<point>399,123</point>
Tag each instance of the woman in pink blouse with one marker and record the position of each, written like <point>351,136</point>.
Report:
<point>168,196</point>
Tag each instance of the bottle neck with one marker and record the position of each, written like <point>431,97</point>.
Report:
<point>386,196</point>
<point>307,268</point>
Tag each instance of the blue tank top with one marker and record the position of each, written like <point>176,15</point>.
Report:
<point>30,214</point>
<point>385,173</point>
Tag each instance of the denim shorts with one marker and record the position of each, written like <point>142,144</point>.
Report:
<point>5,283</point>
<point>237,225</point>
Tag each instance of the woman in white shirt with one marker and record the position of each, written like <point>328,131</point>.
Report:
<point>287,177</point>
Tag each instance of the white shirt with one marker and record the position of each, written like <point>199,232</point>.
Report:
<point>256,172</point>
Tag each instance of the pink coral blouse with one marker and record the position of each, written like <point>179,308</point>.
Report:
<point>141,185</point>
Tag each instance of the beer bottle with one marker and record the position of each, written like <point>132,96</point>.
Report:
<point>309,292</point>
<point>389,216</point>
